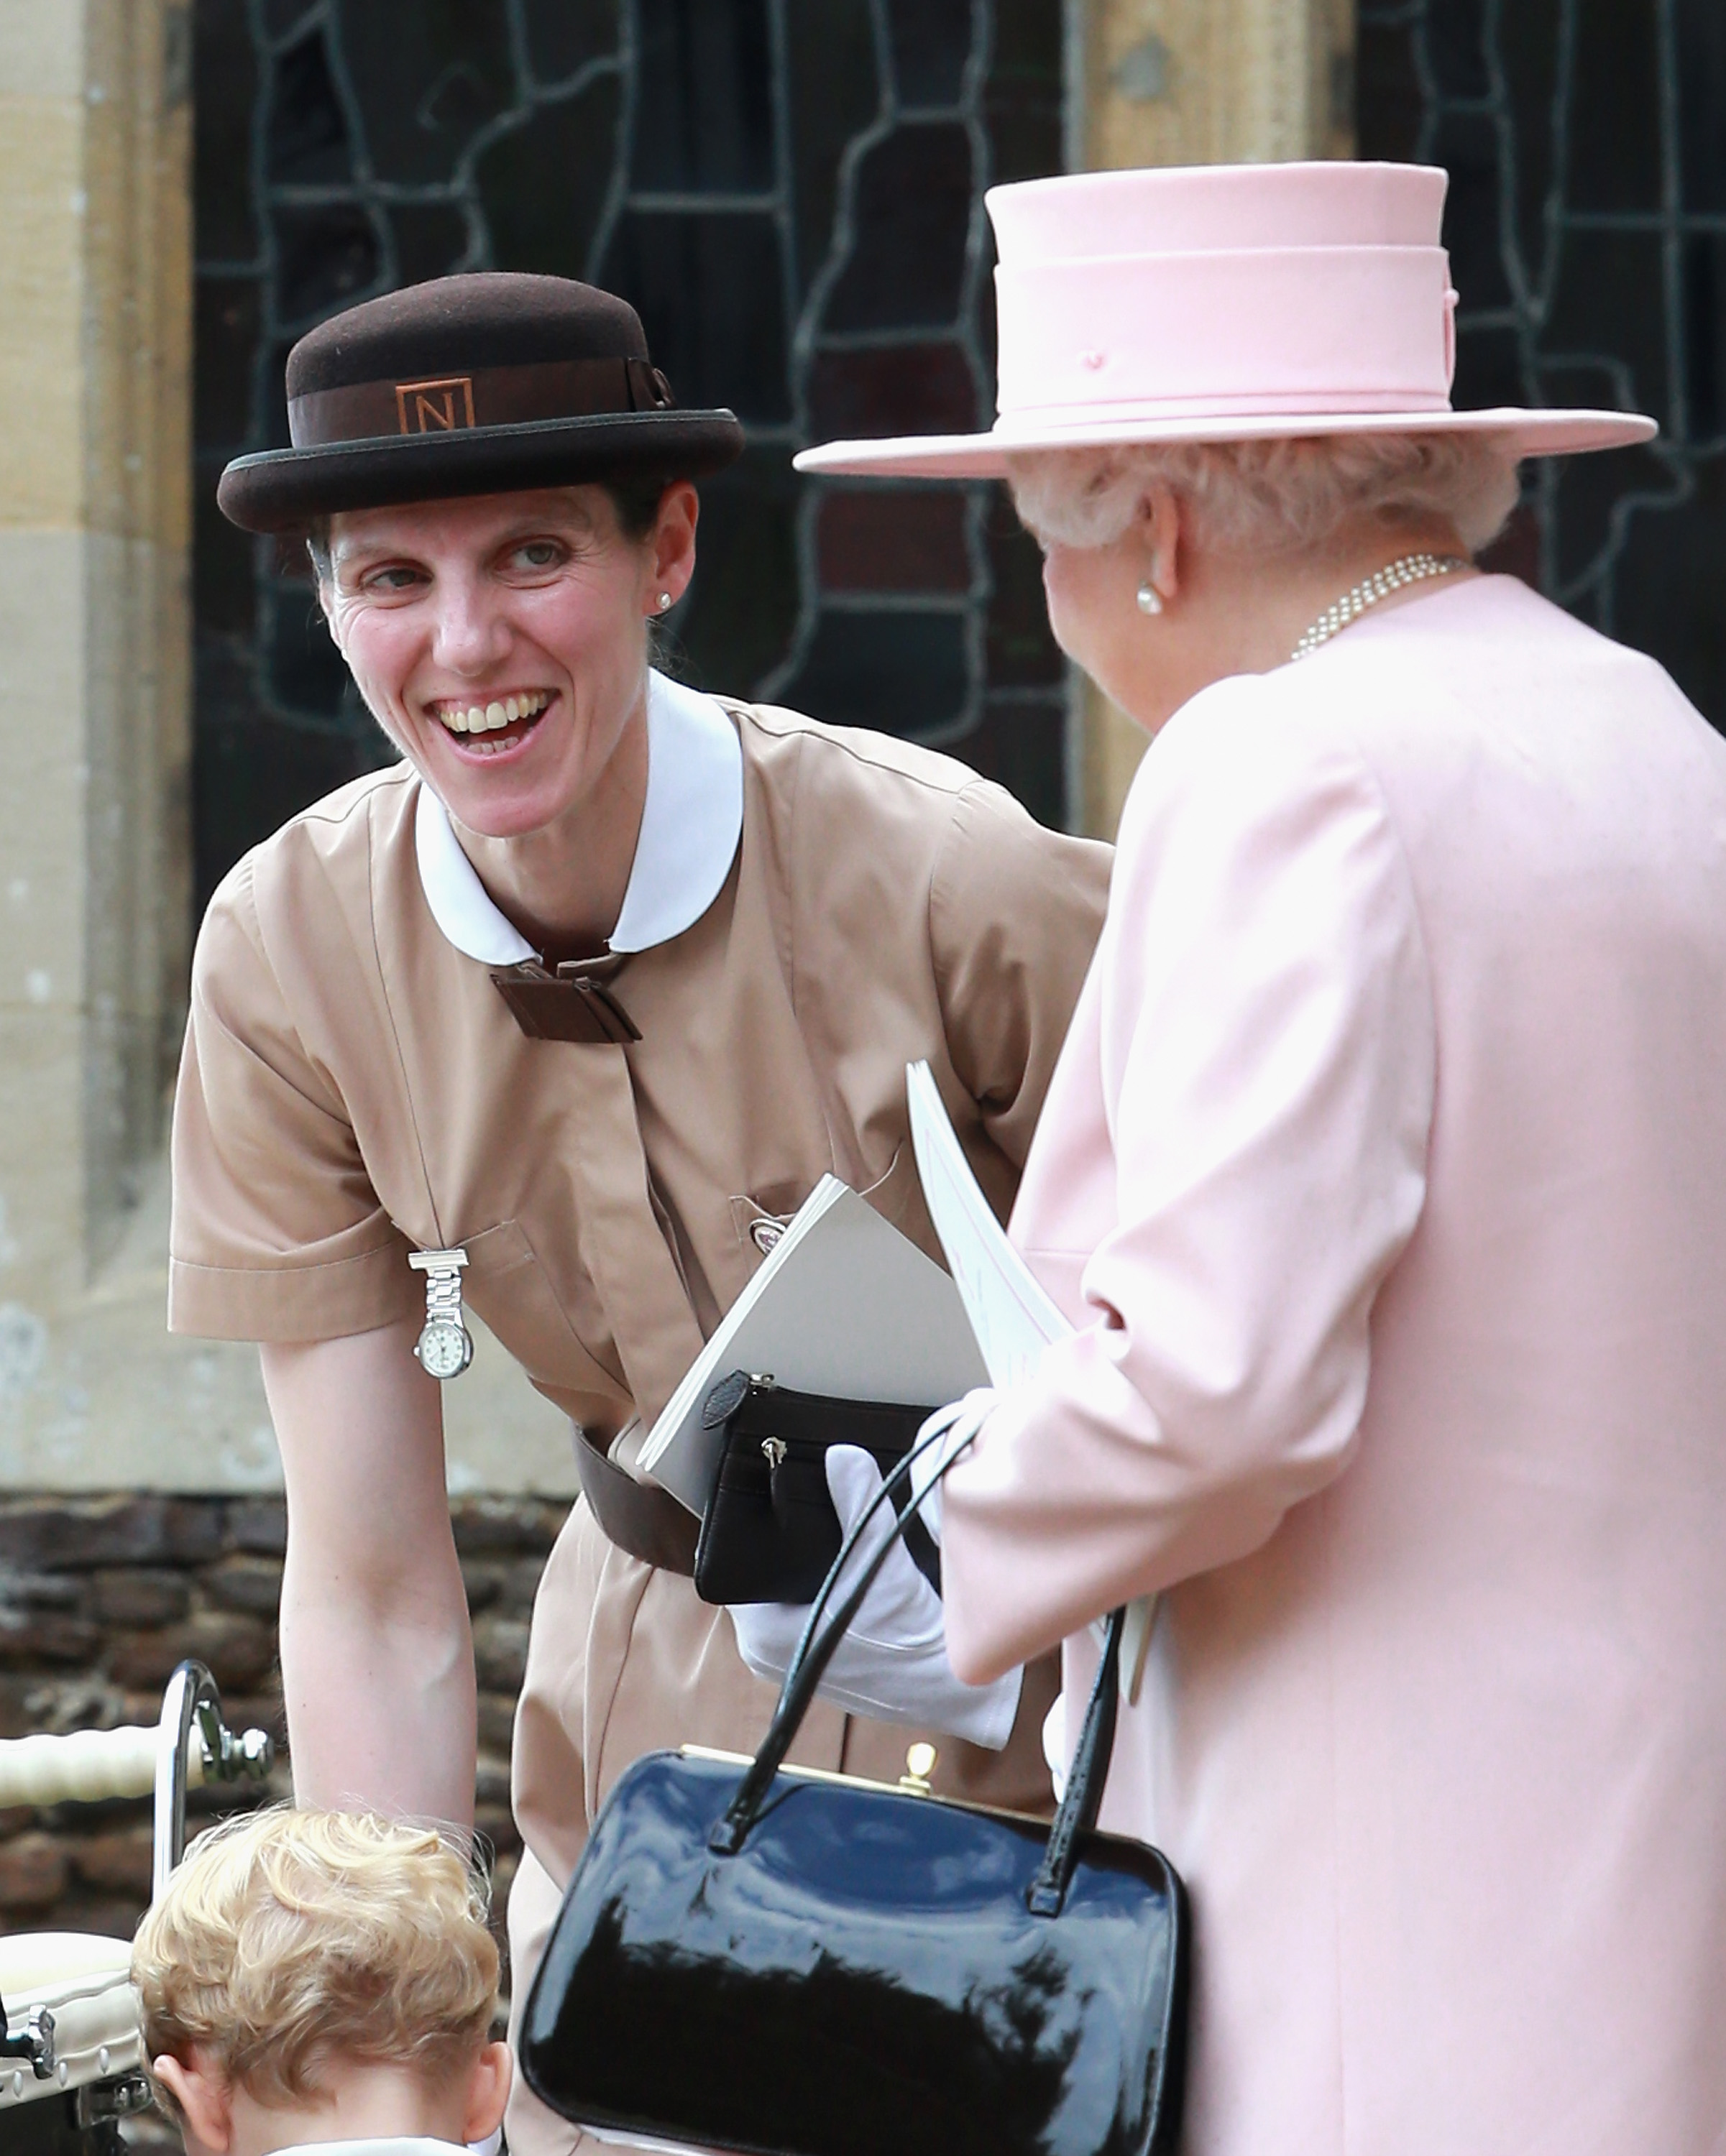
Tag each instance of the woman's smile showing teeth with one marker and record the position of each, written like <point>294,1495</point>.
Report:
<point>498,722</point>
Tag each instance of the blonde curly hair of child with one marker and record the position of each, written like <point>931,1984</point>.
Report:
<point>290,1942</point>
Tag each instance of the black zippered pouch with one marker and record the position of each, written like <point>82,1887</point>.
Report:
<point>770,1533</point>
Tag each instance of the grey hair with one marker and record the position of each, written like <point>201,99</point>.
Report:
<point>1270,496</point>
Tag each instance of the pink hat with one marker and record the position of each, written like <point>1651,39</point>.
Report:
<point>1214,303</point>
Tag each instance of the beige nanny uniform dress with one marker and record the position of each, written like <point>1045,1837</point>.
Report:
<point>809,908</point>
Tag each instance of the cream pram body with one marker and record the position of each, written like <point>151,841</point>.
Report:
<point>71,2046</point>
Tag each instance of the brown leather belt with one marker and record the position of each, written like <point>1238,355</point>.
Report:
<point>649,1524</point>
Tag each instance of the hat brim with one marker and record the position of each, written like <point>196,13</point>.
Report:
<point>285,490</point>
<point>1521,433</point>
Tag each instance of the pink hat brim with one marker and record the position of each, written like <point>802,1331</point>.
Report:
<point>1521,433</point>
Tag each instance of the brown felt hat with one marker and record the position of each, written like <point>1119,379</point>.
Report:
<point>481,384</point>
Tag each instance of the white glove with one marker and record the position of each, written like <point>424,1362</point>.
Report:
<point>1054,1744</point>
<point>956,1424</point>
<point>891,1666</point>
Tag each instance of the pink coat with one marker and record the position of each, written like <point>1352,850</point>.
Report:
<point>1384,1171</point>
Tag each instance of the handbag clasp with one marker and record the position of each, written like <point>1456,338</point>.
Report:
<point>919,1765</point>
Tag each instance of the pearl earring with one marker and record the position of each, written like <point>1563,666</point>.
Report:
<point>665,601</point>
<point>1150,600</point>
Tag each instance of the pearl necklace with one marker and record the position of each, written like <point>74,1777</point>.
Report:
<point>1409,569</point>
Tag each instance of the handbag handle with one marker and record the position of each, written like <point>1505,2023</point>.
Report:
<point>1077,1813</point>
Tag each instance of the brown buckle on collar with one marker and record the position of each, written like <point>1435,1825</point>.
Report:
<point>573,1004</point>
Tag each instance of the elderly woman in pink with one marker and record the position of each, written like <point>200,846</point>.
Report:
<point>1384,1181</point>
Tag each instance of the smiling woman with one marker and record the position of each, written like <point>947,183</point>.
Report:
<point>499,643</point>
<point>550,1017</point>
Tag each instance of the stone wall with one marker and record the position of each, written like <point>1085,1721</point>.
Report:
<point>94,521</point>
<point>100,1597</point>
<point>96,866</point>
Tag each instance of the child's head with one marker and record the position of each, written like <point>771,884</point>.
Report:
<point>322,1968</point>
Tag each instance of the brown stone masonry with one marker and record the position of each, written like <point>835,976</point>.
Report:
<point>100,1597</point>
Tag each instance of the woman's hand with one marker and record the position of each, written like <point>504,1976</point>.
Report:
<point>891,1666</point>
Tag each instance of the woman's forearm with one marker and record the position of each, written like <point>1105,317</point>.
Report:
<point>377,1660</point>
<point>380,1701</point>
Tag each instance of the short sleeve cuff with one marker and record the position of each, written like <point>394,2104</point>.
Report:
<point>323,1302</point>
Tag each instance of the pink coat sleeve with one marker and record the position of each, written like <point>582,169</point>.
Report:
<point>1255,1060</point>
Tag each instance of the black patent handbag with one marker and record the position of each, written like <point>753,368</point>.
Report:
<point>785,1962</point>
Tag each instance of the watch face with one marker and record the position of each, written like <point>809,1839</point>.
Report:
<point>444,1351</point>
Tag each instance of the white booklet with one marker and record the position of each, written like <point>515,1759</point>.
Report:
<point>1012,1316</point>
<point>843,1304</point>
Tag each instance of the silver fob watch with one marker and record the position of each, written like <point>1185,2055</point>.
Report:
<point>445,1346</point>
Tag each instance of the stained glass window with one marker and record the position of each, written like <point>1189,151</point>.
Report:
<point>791,195</point>
<point>1586,145</point>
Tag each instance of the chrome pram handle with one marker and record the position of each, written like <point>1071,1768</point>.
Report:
<point>192,1700</point>
<point>191,1745</point>
<point>90,1764</point>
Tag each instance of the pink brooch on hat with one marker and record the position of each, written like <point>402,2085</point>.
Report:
<point>1223,303</point>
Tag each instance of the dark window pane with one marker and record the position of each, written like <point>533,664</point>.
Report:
<point>1456,49</point>
<point>1704,290</point>
<point>913,213</point>
<point>1608,307</point>
<point>905,672</point>
<point>427,75</point>
<point>1022,746</point>
<point>224,339</point>
<point>832,93</point>
<point>1615,130</point>
<point>536,226</point>
<point>432,239</point>
<point>1023,96</point>
<point>565,37</point>
<point>893,541</point>
<point>1585,492</point>
<point>305,134</point>
<point>1587,230</point>
<point>1702,102</point>
<point>327,258</point>
<point>1466,145</point>
<point>707,289</point>
<point>272,399</point>
<point>281,18</point>
<point>1021,653</point>
<point>737,624</point>
<point>304,668</point>
<point>932,45</point>
<point>1530,51</point>
<point>706,121</point>
<point>224,87</point>
<point>895,389</point>
<point>223,590</point>
<point>1490,366</point>
<point>1391,98</point>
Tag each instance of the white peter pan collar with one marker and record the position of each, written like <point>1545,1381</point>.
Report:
<point>383,2144</point>
<point>690,822</point>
